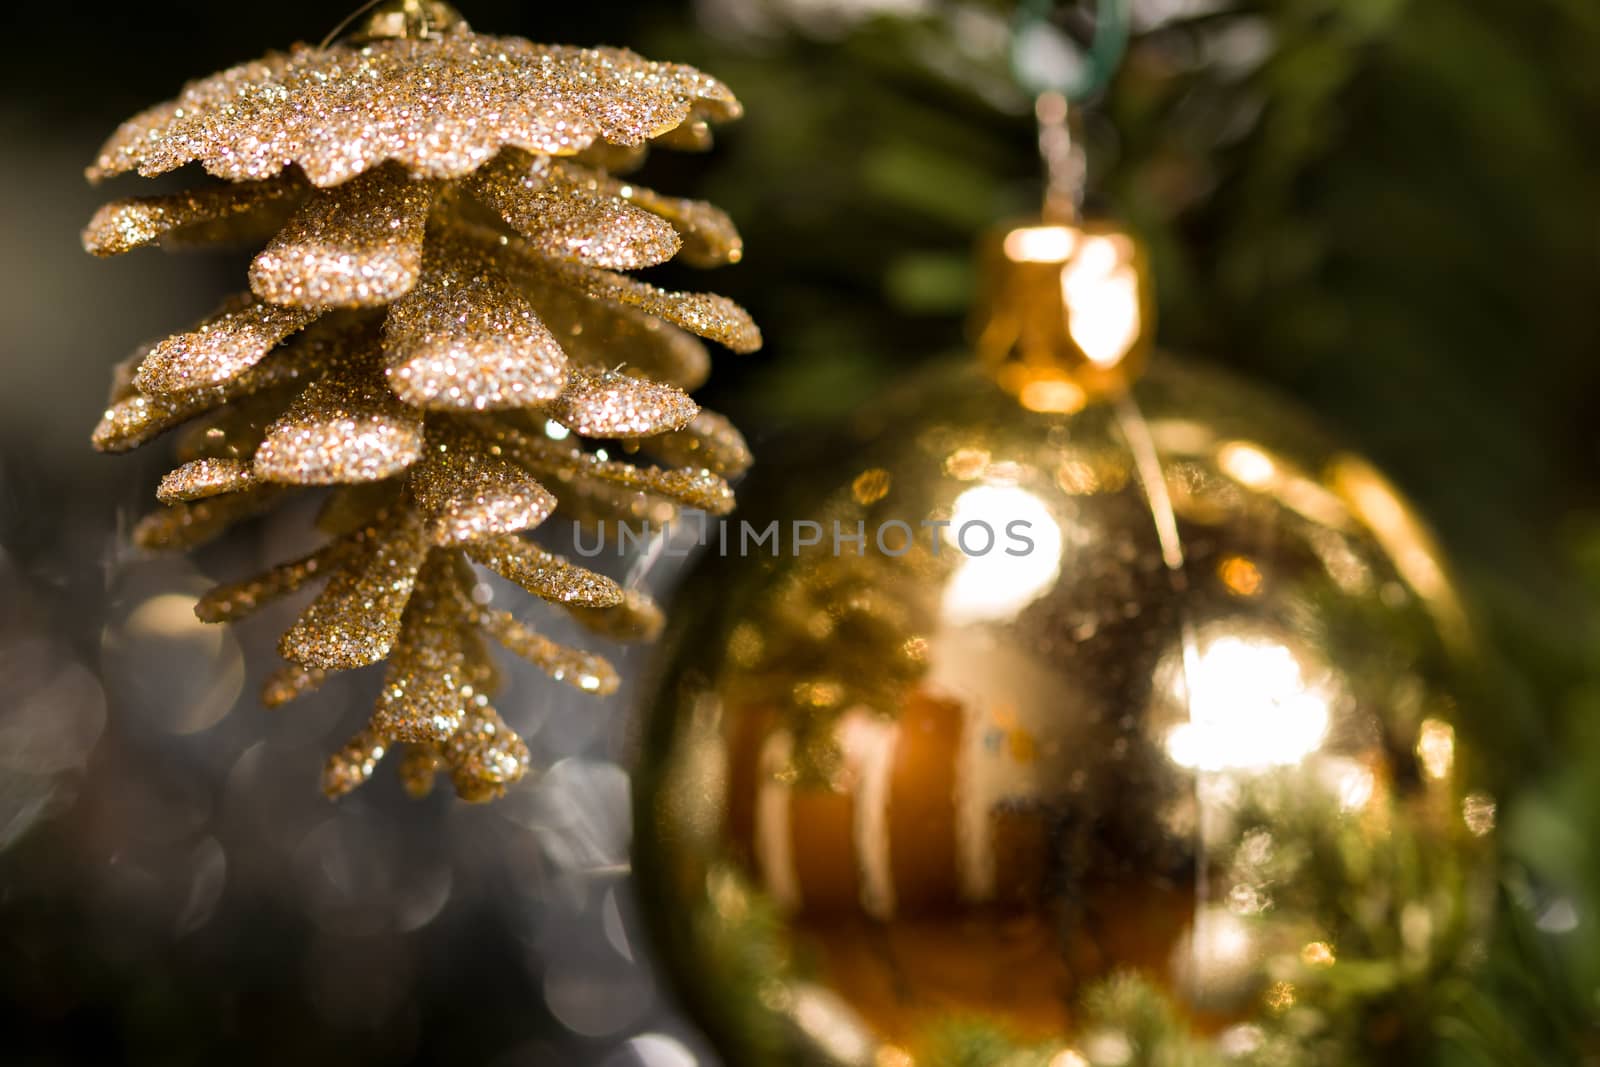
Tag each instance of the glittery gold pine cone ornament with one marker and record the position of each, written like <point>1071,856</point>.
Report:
<point>437,330</point>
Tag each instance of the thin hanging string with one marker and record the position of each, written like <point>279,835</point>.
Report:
<point>1046,64</point>
<point>345,23</point>
<point>349,20</point>
<point>1066,171</point>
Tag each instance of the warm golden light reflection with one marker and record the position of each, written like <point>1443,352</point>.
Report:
<point>869,745</point>
<point>730,899</point>
<point>1063,305</point>
<point>1068,1058</point>
<point>818,694</point>
<point>1409,544</point>
<point>745,644</point>
<point>1052,396</point>
<point>1247,464</point>
<point>1318,954</point>
<point>1349,571</point>
<point>1305,496</point>
<point>1436,748</point>
<point>1418,924</point>
<point>871,486</point>
<point>997,584</point>
<point>1078,478</point>
<point>1246,899</point>
<point>1216,955</point>
<point>1478,812</point>
<point>1100,286</point>
<point>966,464</point>
<point>1280,996</point>
<point>1109,1046</point>
<point>1240,575</point>
<point>827,1019</point>
<point>1351,782</point>
<point>893,1056</point>
<point>171,615</point>
<point>162,629</point>
<point>1250,708</point>
<point>1240,1041</point>
<point>1182,437</point>
<point>1041,244</point>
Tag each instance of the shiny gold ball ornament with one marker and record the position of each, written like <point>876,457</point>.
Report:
<point>439,333</point>
<point>1067,724</point>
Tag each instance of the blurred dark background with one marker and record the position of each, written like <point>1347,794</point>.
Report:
<point>1389,209</point>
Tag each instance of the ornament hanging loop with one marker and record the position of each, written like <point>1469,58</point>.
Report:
<point>1062,76</point>
<point>379,20</point>
<point>1045,60</point>
<point>1065,168</point>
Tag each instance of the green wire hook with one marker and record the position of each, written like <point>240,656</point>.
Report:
<point>1057,90</point>
<point>1100,61</point>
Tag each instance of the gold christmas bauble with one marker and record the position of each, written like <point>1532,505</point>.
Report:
<point>1120,732</point>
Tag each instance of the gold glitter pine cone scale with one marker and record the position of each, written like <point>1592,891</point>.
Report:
<point>442,107</point>
<point>434,328</point>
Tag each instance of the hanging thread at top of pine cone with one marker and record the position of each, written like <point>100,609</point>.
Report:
<point>435,326</point>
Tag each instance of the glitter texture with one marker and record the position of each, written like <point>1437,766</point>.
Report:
<point>692,488</point>
<point>566,212</point>
<point>237,600</point>
<point>442,107</point>
<point>436,329</point>
<point>579,669</point>
<point>201,478</point>
<point>224,346</point>
<point>426,688</point>
<point>470,494</point>
<point>135,418</point>
<point>544,574</point>
<point>346,427</point>
<point>357,618</point>
<point>467,339</point>
<point>484,755</point>
<point>359,245</point>
<point>353,764</point>
<point>708,236</point>
<point>124,225</point>
<point>603,404</point>
<point>707,314</point>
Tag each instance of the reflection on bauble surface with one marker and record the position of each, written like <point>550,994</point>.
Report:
<point>1121,734</point>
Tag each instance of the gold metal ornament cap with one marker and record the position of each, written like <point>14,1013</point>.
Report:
<point>406,18</point>
<point>1065,311</point>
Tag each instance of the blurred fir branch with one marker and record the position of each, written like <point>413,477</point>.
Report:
<point>1385,207</point>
